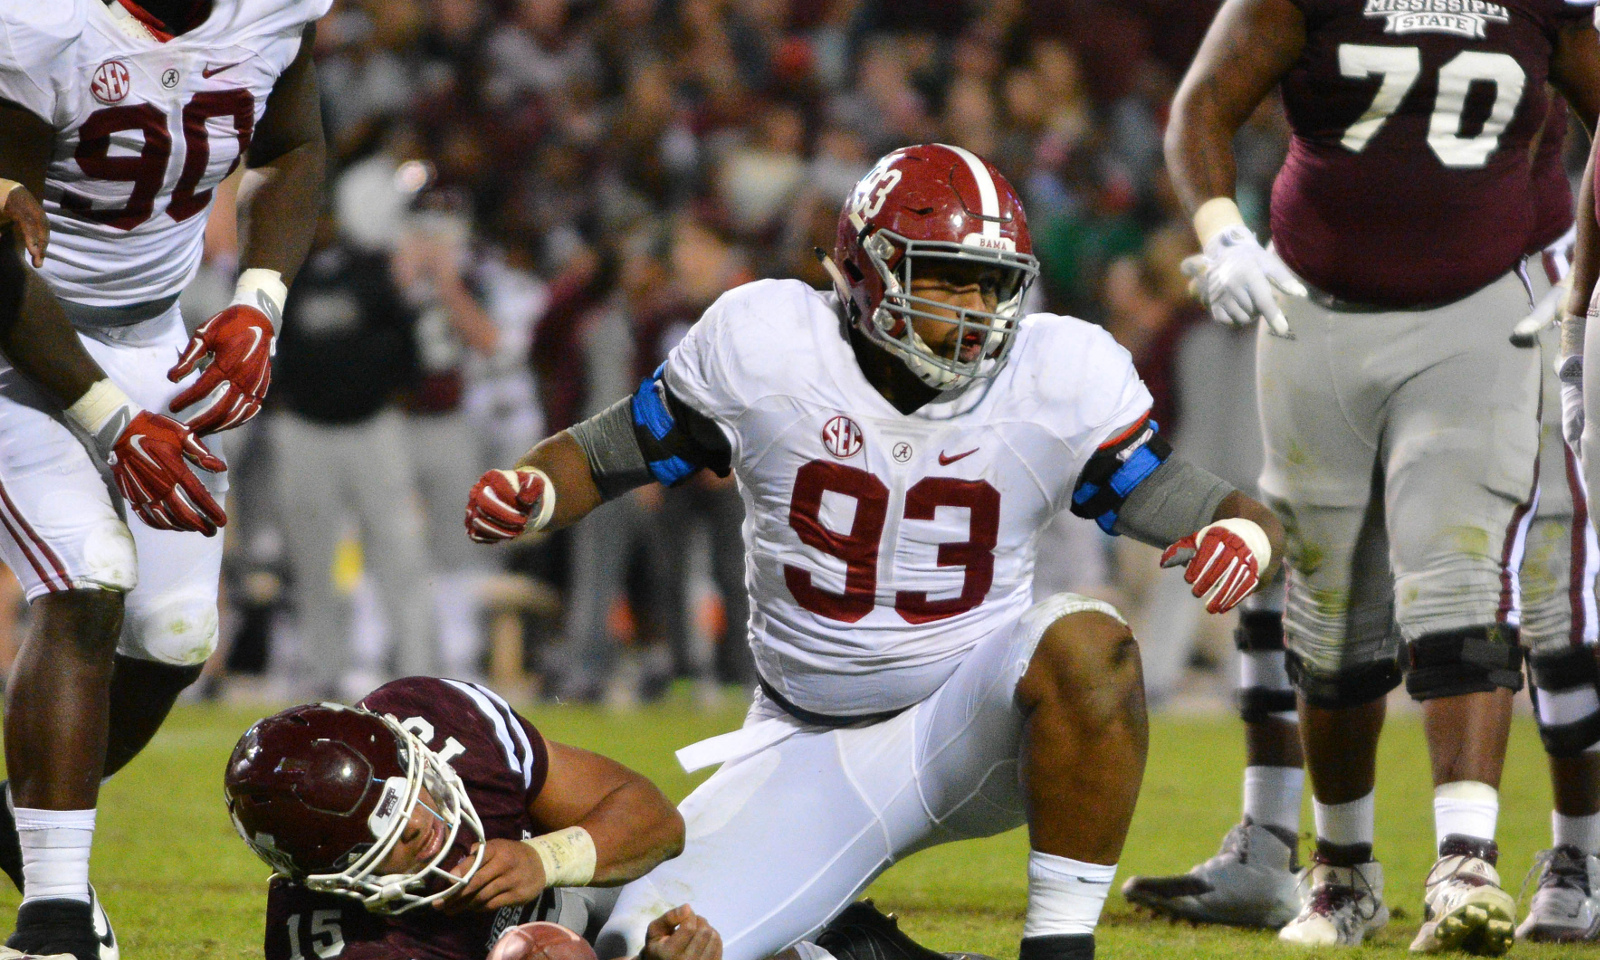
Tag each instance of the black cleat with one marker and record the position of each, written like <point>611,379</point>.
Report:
<point>861,932</point>
<point>10,844</point>
<point>50,927</point>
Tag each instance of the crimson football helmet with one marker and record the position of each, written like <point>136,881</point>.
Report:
<point>323,792</point>
<point>929,203</point>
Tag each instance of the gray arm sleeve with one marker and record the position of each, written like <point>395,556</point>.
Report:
<point>1177,499</point>
<point>615,461</point>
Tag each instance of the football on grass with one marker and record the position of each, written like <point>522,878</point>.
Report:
<point>541,941</point>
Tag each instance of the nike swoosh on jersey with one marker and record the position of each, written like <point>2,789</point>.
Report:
<point>945,461</point>
<point>212,70</point>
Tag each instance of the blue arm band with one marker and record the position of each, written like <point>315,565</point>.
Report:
<point>1113,473</point>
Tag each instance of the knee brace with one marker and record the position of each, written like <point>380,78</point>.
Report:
<point>1564,686</point>
<point>1470,660</point>
<point>1345,687</point>
<point>1264,687</point>
<point>180,631</point>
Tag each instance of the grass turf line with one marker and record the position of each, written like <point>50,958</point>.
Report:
<point>181,886</point>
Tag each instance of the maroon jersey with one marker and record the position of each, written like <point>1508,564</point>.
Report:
<point>501,759</point>
<point>1407,181</point>
<point>1552,194</point>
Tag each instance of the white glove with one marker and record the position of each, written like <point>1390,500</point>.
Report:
<point>1235,278</point>
<point>1569,370</point>
<point>1526,332</point>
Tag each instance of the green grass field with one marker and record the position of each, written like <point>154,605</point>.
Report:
<point>180,885</point>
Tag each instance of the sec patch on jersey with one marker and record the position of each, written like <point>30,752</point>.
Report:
<point>541,941</point>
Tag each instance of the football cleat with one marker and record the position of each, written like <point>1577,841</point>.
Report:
<point>1342,905</point>
<point>102,929</point>
<point>56,927</point>
<point>1564,907</point>
<point>862,932</point>
<point>1253,881</point>
<point>1463,907</point>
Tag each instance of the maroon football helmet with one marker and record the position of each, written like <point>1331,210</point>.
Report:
<point>323,792</point>
<point>925,203</point>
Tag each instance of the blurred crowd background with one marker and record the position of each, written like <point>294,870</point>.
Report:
<point>530,201</point>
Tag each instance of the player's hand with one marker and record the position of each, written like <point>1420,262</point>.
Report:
<point>1544,313</point>
<point>147,463</point>
<point>1236,280</point>
<point>22,208</point>
<point>239,343</point>
<point>1569,370</point>
<point>511,872</point>
<point>1224,561</point>
<point>503,501</point>
<point>679,934</point>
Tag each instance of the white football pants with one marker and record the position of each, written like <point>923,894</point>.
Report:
<point>781,839</point>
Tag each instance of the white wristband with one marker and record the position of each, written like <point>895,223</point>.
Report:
<point>103,411</point>
<point>263,289</point>
<point>1215,216</point>
<point>568,857</point>
<point>547,500</point>
<point>1251,533</point>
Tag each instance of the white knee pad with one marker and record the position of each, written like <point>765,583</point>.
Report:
<point>1039,617</point>
<point>179,630</point>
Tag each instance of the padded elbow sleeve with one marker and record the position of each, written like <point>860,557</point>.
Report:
<point>1175,500</point>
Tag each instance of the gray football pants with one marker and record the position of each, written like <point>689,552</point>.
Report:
<point>1560,562</point>
<point>327,474</point>
<point>1400,454</point>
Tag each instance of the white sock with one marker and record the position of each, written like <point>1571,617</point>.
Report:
<point>55,852</point>
<point>1345,824</point>
<point>1580,832</point>
<point>1465,807</point>
<point>1272,796</point>
<point>1065,896</point>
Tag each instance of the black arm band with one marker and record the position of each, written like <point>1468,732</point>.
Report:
<point>650,436</point>
<point>608,444</point>
<point>1177,499</point>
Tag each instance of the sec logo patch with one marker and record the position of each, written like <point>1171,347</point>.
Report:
<point>111,82</point>
<point>842,437</point>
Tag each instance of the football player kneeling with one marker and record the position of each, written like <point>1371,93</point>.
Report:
<point>431,820</point>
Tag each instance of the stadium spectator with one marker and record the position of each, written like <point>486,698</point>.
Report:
<point>341,452</point>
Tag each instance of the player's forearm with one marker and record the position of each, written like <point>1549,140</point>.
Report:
<point>1237,505</point>
<point>1585,263</point>
<point>635,828</point>
<point>1248,48</point>
<point>1199,150</point>
<point>36,337</point>
<point>564,462</point>
<point>276,204</point>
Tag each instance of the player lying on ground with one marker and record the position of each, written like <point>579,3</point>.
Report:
<point>1402,435</point>
<point>431,818</point>
<point>899,443</point>
<point>123,119</point>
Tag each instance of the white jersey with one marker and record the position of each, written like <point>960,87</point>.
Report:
<point>882,547</point>
<point>145,130</point>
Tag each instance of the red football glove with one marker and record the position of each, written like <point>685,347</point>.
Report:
<point>1223,561</point>
<point>147,462</point>
<point>239,342</point>
<point>502,501</point>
